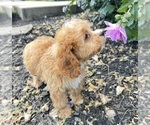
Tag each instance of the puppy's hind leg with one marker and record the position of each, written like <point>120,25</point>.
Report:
<point>36,82</point>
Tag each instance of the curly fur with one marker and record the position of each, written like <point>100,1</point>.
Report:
<point>59,61</point>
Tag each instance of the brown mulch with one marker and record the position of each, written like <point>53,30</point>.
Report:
<point>110,91</point>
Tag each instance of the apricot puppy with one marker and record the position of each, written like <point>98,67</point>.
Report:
<point>60,61</point>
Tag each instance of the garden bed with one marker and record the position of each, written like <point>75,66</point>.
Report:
<point>110,90</point>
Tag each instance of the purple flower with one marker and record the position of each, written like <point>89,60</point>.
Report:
<point>64,9</point>
<point>115,32</point>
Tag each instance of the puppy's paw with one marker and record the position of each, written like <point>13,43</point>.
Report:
<point>65,112</point>
<point>36,85</point>
<point>77,100</point>
<point>36,82</point>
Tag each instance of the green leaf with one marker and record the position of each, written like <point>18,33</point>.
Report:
<point>118,16</point>
<point>134,10</point>
<point>131,33</point>
<point>92,72</point>
<point>88,10</point>
<point>123,8</point>
<point>92,3</point>
<point>107,9</point>
<point>124,20</point>
<point>101,22</point>
<point>72,1</point>
<point>125,1</point>
<point>95,18</point>
<point>130,22</point>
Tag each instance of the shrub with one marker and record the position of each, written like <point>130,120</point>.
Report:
<point>106,9</point>
<point>127,17</point>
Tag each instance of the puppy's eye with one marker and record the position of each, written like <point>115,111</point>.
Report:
<point>87,36</point>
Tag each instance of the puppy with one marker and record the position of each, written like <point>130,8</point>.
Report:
<point>60,62</point>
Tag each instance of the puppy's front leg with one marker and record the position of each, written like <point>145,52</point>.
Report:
<point>76,96</point>
<point>36,82</point>
<point>60,101</point>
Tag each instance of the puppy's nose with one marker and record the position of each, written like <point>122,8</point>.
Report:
<point>101,32</point>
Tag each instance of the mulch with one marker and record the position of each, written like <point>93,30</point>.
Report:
<point>110,90</point>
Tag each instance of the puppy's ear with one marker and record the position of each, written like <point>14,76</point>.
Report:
<point>67,64</point>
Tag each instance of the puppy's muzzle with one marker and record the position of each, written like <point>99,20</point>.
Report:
<point>100,32</point>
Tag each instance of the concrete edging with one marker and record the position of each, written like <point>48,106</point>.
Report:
<point>45,9</point>
<point>29,10</point>
<point>34,10</point>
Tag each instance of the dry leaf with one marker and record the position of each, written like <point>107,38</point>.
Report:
<point>60,122</point>
<point>92,87</point>
<point>128,78</point>
<point>15,102</point>
<point>119,90</point>
<point>97,103</point>
<point>105,99</point>
<point>89,105</point>
<point>27,117</point>
<point>101,82</point>
<point>100,63</point>
<point>5,102</point>
<point>53,113</point>
<point>110,114</point>
<point>44,108</point>
<point>26,89</point>
<point>95,58</point>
